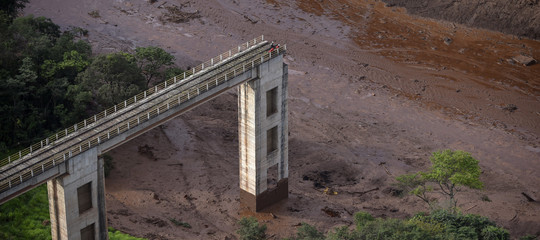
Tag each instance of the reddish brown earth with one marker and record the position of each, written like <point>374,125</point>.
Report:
<point>373,91</point>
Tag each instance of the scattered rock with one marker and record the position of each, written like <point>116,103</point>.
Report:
<point>251,18</point>
<point>447,40</point>
<point>524,60</point>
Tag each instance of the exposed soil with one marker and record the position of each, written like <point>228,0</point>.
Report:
<point>518,17</point>
<point>372,92</point>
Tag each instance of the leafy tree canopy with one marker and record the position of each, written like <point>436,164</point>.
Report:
<point>153,62</point>
<point>450,171</point>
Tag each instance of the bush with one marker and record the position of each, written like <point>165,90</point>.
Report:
<point>117,235</point>
<point>495,233</point>
<point>250,229</point>
<point>308,232</point>
<point>361,218</point>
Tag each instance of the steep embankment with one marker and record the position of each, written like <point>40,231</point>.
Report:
<point>518,17</point>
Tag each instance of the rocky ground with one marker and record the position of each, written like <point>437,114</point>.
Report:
<point>372,92</point>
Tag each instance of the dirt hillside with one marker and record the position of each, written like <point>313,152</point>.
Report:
<point>517,17</point>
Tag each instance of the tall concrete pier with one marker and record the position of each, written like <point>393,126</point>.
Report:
<point>69,161</point>
<point>76,199</point>
<point>263,136</point>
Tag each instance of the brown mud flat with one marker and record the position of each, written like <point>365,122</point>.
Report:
<point>372,92</point>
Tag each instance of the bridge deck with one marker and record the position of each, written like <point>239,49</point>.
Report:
<point>131,113</point>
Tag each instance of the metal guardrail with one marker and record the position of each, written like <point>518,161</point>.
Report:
<point>121,127</point>
<point>120,106</point>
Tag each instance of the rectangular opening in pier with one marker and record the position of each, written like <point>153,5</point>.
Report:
<point>88,233</point>
<point>271,101</point>
<point>84,197</point>
<point>271,140</point>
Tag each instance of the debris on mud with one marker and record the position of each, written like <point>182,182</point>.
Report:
<point>147,151</point>
<point>524,60</point>
<point>510,108</point>
<point>177,14</point>
<point>320,178</point>
<point>156,221</point>
<point>393,191</point>
<point>331,212</point>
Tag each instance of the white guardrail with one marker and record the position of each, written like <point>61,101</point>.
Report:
<point>104,135</point>
<point>143,95</point>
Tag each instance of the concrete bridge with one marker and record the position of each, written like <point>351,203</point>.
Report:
<point>70,160</point>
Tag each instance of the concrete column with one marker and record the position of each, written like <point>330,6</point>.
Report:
<point>263,135</point>
<point>82,186</point>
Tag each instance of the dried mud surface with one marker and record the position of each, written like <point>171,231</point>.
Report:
<point>372,92</point>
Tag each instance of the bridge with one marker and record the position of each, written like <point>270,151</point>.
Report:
<point>70,162</point>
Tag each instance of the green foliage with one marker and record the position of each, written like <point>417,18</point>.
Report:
<point>12,7</point>
<point>109,79</point>
<point>308,232</point>
<point>27,216</point>
<point>439,225</point>
<point>495,233</point>
<point>250,229</point>
<point>450,171</point>
<point>362,218</point>
<point>153,61</point>
<point>528,237</point>
<point>117,235</point>
<point>37,64</point>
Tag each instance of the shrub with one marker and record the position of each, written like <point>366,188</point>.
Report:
<point>308,232</point>
<point>495,233</point>
<point>361,218</point>
<point>250,229</point>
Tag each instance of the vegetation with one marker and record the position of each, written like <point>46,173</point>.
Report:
<point>450,171</point>
<point>250,229</point>
<point>12,7</point>
<point>117,235</point>
<point>26,217</point>
<point>439,224</point>
<point>49,80</point>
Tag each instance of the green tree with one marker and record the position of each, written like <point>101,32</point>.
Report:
<point>450,171</point>
<point>108,80</point>
<point>153,62</point>
<point>250,229</point>
<point>308,232</point>
<point>12,7</point>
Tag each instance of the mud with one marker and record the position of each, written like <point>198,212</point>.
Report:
<point>517,17</point>
<point>372,92</point>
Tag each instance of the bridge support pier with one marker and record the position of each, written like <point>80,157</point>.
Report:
<point>263,135</point>
<point>77,200</point>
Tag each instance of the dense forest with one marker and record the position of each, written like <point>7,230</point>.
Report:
<point>50,79</point>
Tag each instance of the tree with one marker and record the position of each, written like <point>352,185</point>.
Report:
<point>450,171</point>
<point>250,229</point>
<point>12,7</point>
<point>108,80</point>
<point>153,61</point>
